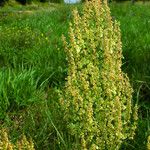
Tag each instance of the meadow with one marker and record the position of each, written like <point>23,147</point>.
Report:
<point>33,67</point>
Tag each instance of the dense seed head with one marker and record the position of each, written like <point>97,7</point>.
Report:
<point>6,144</point>
<point>97,95</point>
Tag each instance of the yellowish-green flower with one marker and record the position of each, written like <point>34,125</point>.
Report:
<point>97,96</point>
<point>6,144</point>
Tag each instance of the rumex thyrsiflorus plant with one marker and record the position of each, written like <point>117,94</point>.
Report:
<point>97,98</point>
<point>22,144</point>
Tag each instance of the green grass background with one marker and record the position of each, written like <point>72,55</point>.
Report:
<point>33,66</point>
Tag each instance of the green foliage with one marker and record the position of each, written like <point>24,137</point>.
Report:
<point>34,44</point>
<point>31,64</point>
<point>40,58</point>
<point>13,50</point>
<point>97,99</point>
<point>17,90</point>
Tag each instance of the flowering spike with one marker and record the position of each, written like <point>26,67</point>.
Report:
<point>97,95</point>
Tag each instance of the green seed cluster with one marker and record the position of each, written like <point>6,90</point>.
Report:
<point>97,96</point>
<point>6,144</point>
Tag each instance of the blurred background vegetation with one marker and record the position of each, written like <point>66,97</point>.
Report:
<point>24,2</point>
